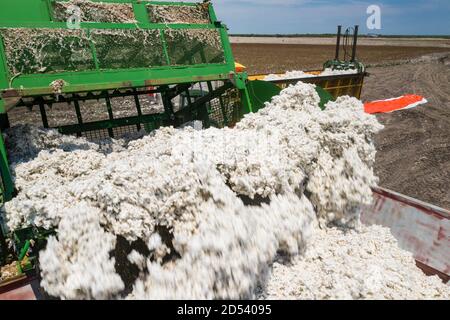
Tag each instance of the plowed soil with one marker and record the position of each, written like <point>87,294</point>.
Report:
<point>414,148</point>
<point>274,58</point>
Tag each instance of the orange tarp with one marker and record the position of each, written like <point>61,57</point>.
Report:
<point>389,105</point>
<point>239,67</point>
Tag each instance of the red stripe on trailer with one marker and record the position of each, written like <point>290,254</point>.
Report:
<point>389,105</point>
<point>23,293</point>
<point>24,288</point>
<point>419,227</point>
<point>427,208</point>
<point>429,271</point>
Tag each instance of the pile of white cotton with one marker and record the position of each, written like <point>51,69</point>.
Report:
<point>353,264</point>
<point>213,207</point>
<point>297,74</point>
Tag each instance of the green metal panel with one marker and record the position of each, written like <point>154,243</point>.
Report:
<point>7,183</point>
<point>96,58</point>
<point>261,92</point>
<point>3,74</point>
<point>97,76</point>
<point>24,11</point>
<point>325,97</point>
<point>111,79</point>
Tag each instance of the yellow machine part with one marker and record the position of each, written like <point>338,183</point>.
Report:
<point>340,85</point>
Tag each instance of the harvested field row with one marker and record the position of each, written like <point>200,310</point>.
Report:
<point>273,58</point>
<point>414,148</point>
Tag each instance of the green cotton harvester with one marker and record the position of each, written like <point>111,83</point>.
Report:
<point>79,52</point>
<point>50,53</point>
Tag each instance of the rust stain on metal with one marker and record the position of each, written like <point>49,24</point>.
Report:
<point>22,293</point>
<point>439,213</point>
<point>11,93</point>
<point>429,271</point>
<point>421,228</point>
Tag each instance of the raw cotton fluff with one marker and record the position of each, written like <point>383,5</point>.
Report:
<point>296,74</point>
<point>182,191</point>
<point>353,264</point>
<point>25,142</point>
<point>8,271</point>
<point>354,179</point>
<point>43,163</point>
<point>332,147</point>
<point>138,191</point>
<point>46,168</point>
<point>58,86</point>
<point>77,265</point>
<point>231,249</point>
<point>220,229</point>
<point>94,11</point>
<point>248,160</point>
<point>44,186</point>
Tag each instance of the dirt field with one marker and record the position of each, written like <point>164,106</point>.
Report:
<point>272,58</point>
<point>414,148</point>
<point>363,41</point>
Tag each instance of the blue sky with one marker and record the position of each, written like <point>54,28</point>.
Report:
<point>418,17</point>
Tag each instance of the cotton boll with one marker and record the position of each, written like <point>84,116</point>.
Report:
<point>288,75</point>
<point>338,186</point>
<point>43,186</point>
<point>154,241</point>
<point>314,140</point>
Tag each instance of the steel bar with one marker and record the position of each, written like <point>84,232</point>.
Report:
<point>109,124</point>
<point>78,111</point>
<point>205,99</point>
<point>338,42</point>
<point>110,113</point>
<point>43,114</point>
<point>355,43</point>
<point>138,108</point>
